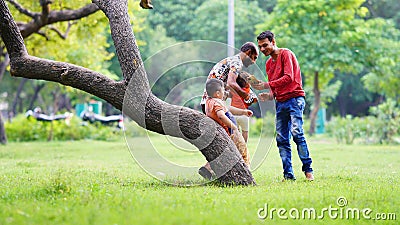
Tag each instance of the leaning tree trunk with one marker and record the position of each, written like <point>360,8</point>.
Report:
<point>140,104</point>
<point>317,103</point>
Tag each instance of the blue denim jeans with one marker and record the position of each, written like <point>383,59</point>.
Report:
<point>289,122</point>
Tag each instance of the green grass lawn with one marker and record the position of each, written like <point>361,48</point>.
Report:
<point>93,182</point>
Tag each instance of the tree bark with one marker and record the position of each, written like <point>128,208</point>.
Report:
<point>140,104</point>
<point>317,103</point>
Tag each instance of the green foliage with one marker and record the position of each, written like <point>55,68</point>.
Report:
<point>211,18</point>
<point>331,91</point>
<point>388,9</point>
<point>388,115</point>
<point>331,36</point>
<point>344,129</point>
<point>23,129</point>
<point>263,127</point>
<point>383,75</point>
<point>381,128</point>
<point>353,97</point>
<point>174,16</point>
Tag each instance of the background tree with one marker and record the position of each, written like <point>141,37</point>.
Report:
<point>330,36</point>
<point>387,9</point>
<point>174,16</point>
<point>144,107</point>
<point>48,26</point>
<point>33,20</point>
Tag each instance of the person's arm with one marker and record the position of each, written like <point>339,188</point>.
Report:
<point>237,111</point>
<point>260,86</point>
<point>266,96</point>
<point>221,115</point>
<point>232,85</point>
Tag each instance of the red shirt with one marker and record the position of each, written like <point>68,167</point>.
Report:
<point>284,76</point>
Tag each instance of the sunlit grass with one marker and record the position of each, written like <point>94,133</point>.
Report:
<point>92,182</point>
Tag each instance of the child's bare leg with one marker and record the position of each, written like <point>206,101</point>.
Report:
<point>242,147</point>
<point>207,166</point>
<point>245,135</point>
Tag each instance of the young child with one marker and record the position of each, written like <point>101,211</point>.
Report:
<point>240,103</point>
<point>216,110</point>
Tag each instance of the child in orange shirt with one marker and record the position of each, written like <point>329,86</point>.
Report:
<point>216,110</point>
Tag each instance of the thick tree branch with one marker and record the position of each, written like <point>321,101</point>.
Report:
<point>22,10</point>
<point>45,11</point>
<point>9,31</point>
<point>49,17</point>
<point>115,12</point>
<point>67,15</point>
<point>69,75</point>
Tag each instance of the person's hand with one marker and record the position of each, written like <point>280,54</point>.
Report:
<point>260,86</point>
<point>247,112</point>
<point>226,95</point>
<point>266,96</point>
<point>250,99</point>
<point>235,130</point>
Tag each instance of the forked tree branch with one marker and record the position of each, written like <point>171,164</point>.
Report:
<point>22,10</point>
<point>60,34</point>
<point>47,16</point>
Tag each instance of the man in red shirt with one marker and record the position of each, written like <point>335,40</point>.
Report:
<point>284,82</point>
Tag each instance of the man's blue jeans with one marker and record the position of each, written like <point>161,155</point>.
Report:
<point>289,122</point>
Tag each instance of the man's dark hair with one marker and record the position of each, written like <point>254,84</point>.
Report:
<point>213,85</point>
<point>249,46</point>
<point>266,34</point>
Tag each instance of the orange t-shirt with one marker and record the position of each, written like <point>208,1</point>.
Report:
<point>238,101</point>
<point>212,107</point>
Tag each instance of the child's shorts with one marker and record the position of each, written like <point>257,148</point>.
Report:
<point>243,122</point>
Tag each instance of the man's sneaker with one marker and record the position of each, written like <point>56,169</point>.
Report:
<point>204,172</point>
<point>289,179</point>
<point>309,176</point>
